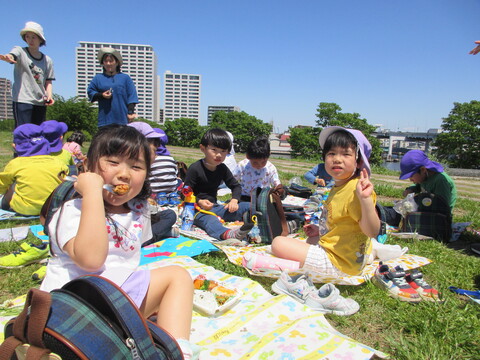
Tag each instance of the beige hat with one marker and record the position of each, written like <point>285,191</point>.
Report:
<point>35,28</point>
<point>108,50</point>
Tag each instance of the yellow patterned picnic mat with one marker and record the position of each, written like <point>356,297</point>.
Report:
<point>263,326</point>
<point>407,261</point>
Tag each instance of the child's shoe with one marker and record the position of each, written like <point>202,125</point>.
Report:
<point>328,300</point>
<point>241,232</point>
<point>174,199</point>
<point>39,275</point>
<point>298,287</point>
<point>28,254</point>
<point>162,199</point>
<point>393,280</point>
<point>426,291</point>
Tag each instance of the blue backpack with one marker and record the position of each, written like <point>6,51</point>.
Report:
<point>88,318</point>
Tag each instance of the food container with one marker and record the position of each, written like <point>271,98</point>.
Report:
<point>211,297</point>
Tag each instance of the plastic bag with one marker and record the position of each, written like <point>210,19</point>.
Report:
<point>405,206</point>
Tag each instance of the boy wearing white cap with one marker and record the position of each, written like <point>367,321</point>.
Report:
<point>33,76</point>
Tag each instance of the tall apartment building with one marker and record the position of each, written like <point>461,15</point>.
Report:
<point>6,110</point>
<point>139,62</point>
<point>214,109</point>
<point>181,96</point>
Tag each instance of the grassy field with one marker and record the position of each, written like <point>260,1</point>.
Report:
<point>450,330</point>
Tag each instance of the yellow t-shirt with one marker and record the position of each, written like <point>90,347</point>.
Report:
<point>35,178</point>
<point>64,156</point>
<point>345,243</point>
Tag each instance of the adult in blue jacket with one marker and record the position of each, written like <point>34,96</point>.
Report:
<point>115,91</point>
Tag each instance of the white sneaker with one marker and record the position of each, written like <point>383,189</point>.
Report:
<point>326,300</point>
<point>329,301</point>
<point>298,286</point>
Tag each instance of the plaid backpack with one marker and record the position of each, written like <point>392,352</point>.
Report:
<point>88,318</point>
<point>266,208</point>
<point>432,218</point>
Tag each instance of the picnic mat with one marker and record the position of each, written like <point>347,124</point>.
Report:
<point>181,246</point>
<point>407,261</point>
<point>258,326</point>
<point>263,326</point>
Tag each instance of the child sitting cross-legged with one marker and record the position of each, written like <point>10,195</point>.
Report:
<point>204,176</point>
<point>102,232</point>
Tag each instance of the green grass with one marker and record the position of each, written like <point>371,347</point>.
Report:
<point>450,330</point>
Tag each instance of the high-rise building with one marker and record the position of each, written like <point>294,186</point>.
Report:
<point>214,109</point>
<point>139,62</point>
<point>181,96</point>
<point>6,110</point>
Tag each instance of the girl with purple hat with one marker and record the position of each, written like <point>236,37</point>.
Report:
<point>340,245</point>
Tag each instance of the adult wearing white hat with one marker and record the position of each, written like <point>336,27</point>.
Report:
<point>32,77</point>
<point>115,91</point>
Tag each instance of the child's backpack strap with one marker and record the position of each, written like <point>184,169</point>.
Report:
<point>63,192</point>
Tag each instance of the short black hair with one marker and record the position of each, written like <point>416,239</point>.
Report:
<point>258,148</point>
<point>217,138</point>
<point>342,139</point>
<point>78,137</point>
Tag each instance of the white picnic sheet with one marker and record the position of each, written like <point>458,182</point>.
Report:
<point>259,326</point>
<point>263,326</point>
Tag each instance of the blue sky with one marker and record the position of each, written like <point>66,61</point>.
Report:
<point>401,64</point>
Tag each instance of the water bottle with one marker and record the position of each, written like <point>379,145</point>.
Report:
<point>188,215</point>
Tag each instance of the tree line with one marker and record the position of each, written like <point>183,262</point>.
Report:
<point>457,146</point>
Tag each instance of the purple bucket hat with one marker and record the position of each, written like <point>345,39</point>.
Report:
<point>53,131</point>
<point>363,144</point>
<point>162,150</point>
<point>413,160</point>
<point>29,141</point>
<point>144,129</point>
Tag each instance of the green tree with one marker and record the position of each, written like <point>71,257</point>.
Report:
<point>459,143</point>
<point>304,142</point>
<point>184,132</point>
<point>78,113</point>
<point>244,127</point>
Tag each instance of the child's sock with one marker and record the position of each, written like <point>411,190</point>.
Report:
<point>238,233</point>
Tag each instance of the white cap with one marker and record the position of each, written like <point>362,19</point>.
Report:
<point>31,26</point>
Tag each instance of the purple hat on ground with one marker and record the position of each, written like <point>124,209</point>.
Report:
<point>362,143</point>
<point>29,141</point>
<point>162,150</point>
<point>413,160</point>
<point>53,131</point>
<point>144,129</point>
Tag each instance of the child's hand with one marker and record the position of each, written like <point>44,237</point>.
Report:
<point>205,204</point>
<point>89,183</point>
<point>107,94</point>
<point>320,181</point>
<point>364,185</point>
<point>232,206</point>
<point>311,230</point>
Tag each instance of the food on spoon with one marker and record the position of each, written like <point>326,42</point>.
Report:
<point>121,189</point>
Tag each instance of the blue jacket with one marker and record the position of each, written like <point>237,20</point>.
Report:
<point>114,110</point>
<point>318,171</point>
